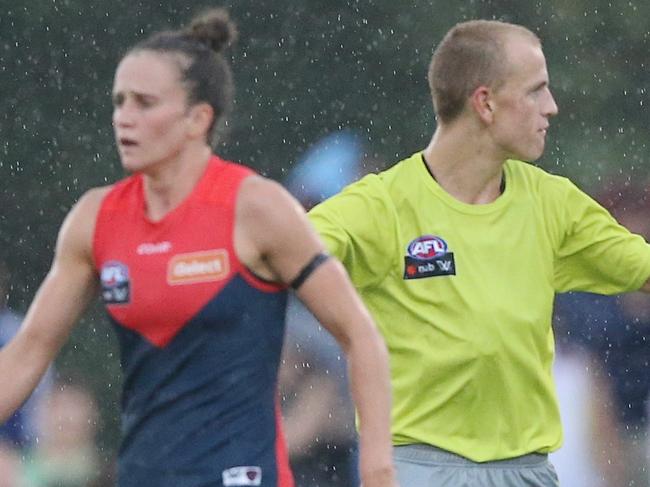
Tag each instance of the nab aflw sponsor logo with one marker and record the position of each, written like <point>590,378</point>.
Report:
<point>209,265</point>
<point>241,476</point>
<point>154,248</point>
<point>428,256</point>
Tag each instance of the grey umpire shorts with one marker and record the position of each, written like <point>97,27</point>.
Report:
<point>428,466</point>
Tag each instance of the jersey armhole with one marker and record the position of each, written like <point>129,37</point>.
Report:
<point>259,282</point>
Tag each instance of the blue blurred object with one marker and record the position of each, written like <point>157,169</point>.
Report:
<point>330,164</point>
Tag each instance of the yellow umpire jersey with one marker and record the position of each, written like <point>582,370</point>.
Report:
<point>463,295</point>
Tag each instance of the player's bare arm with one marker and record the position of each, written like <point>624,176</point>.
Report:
<point>58,304</point>
<point>274,238</point>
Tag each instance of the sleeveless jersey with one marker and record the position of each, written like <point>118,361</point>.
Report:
<point>200,340</point>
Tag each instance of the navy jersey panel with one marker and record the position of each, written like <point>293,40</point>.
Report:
<point>206,401</point>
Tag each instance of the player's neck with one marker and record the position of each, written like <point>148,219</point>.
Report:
<point>463,167</point>
<point>169,184</point>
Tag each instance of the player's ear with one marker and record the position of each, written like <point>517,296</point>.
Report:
<point>201,116</point>
<point>482,103</point>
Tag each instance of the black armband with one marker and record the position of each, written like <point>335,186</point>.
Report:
<point>306,271</point>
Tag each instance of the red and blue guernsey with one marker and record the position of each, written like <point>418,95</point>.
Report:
<point>200,339</point>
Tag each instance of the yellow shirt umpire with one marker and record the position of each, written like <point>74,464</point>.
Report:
<point>458,252</point>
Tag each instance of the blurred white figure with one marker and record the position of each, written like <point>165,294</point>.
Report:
<point>10,468</point>
<point>66,455</point>
<point>590,453</point>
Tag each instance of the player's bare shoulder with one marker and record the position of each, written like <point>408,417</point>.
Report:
<point>271,229</point>
<point>78,228</point>
<point>92,199</point>
<point>265,201</point>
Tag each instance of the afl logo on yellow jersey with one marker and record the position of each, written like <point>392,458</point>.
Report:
<point>427,247</point>
<point>428,256</point>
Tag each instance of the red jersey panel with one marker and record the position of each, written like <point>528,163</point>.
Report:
<point>181,261</point>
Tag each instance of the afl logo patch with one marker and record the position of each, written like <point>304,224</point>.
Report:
<point>428,256</point>
<point>427,247</point>
<point>115,283</point>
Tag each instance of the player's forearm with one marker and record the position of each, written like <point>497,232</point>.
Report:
<point>24,360</point>
<point>22,365</point>
<point>370,385</point>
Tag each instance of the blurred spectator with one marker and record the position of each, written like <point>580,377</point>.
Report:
<point>626,353</point>
<point>66,454</point>
<point>617,331</point>
<point>318,412</point>
<point>319,416</point>
<point>590,454</point>
<point>326,168</point>
<point>10,468</point>
<point>20,430</point>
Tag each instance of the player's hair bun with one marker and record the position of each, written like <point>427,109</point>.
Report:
<point>214,29</point>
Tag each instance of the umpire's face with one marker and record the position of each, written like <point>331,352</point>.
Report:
<point>523,104</point>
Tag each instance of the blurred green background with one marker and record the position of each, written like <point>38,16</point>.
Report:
<point>303,69</point>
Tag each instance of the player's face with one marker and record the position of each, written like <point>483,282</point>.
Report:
<point>524,103</point>
<point>150,111</point>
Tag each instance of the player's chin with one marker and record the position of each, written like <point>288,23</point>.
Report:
<point>129,164</point>
<point>534,152</point>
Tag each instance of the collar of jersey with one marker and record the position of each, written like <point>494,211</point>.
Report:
<point>458,205</point>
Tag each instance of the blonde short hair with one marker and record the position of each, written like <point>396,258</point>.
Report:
<point>470,55</point>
